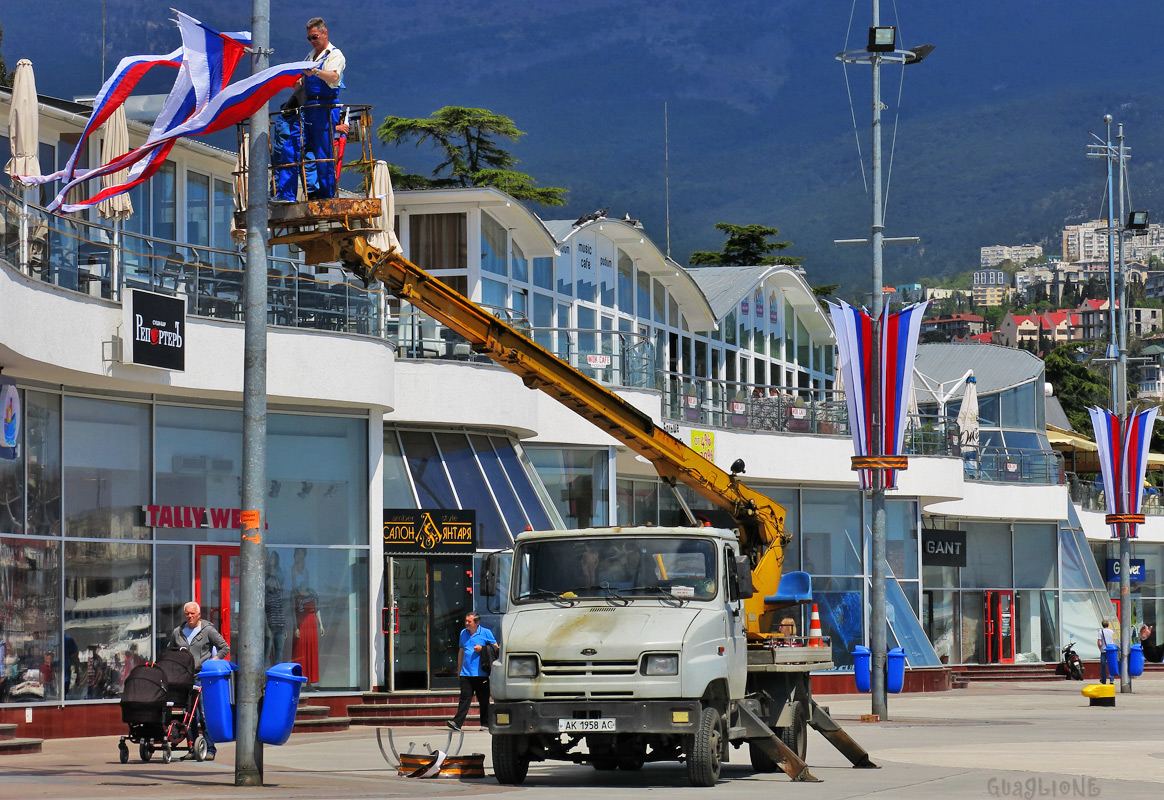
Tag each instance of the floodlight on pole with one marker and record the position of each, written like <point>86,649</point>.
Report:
<point>882,39</point>
<point>1137,221</point>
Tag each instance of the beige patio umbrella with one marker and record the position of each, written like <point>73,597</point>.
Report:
<point>116,143</point>
<point>385,238</point>
<point>23,123</point>
<point>968,434</point>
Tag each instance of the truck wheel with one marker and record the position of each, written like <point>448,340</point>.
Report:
<point>703,750</point>
<point>509,765</point>
<point>604,763</point>
<point>761,761</point>
<point>796,734</point>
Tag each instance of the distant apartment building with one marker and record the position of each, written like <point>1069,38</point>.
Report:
<point>1151,373</point>
<point>990,287</point>
<point>1154,285</point>
<point>910,292</point>
<point>954,327</point>
<point>995,254</point>
<point>1093,320</point>
<point>1088,241</point>
<point>1027,279</point>
<point>1053,328</point>
<point>938,293</point>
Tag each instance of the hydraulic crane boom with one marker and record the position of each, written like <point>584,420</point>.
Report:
<point>760,519</point>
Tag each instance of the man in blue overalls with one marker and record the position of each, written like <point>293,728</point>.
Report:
<point>317,94</point>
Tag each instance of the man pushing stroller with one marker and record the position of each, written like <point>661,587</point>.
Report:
<point>204,642</point>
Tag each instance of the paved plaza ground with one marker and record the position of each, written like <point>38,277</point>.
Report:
<point>1017,740</point>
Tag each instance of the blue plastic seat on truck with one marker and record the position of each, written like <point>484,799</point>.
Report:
<point>795,588</point>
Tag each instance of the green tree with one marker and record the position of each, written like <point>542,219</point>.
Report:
<point>1076,385</point>
<point>746,246</point>
<point>471,156</point>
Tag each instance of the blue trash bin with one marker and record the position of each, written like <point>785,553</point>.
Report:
<point>1136,661</point>
<point>895,670</point>
<point>280,701</point>
<point>216,694</point>
<point>861,660</point>
<point>1112,654</point>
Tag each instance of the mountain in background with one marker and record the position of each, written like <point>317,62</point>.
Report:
<point>991,129</point>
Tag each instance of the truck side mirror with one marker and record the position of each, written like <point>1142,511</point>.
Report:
<point>489,577</point>
<point>742,575</point>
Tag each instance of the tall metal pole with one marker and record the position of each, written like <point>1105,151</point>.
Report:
<point>1120,406</point>
<point>877,625</point>
<point>248,769</point>
<point>1111,273</point>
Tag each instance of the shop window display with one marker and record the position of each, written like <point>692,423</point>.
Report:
<point>33,665</point>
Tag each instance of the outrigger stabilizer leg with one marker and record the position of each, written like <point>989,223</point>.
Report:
<point>823,724</point>
<point>759,734</point>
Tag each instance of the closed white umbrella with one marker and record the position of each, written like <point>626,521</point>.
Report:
<point>23,123</point>
<point>385,238</point>
<point>968,416</point>
<point>115,143</point>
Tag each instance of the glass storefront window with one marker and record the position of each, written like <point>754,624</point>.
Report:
<point>493,238</point>
<point>988,556</point>
<point>326,599</point>
<point>831,522</point>
<point>576,479</point>
<point>543,273</point>
<point>901,538</point>
<point>106,468</point>
<point>438,241</point>
<point>12,486</point>
<point>199,465</point>
<point>428,471</point>
<point>318,471</point>
<point>163,193</point>
<point>42,414</point>
<point>842,617</point>
<point>511,507</point>
<point>1036,621</point>
<point>494,293</point>
<point>940,617</point>
<point>790,500</point>
<point>638,502</point>
<point>197,208</point>
<point>473,491</point>
<point>31,657</point>
<point>223,211</point>
<point>520,264</point>
<point>531,498</point>
<point>397,489</point>
<point>1034,555</point>
<point>107,613</point>
<point>173,589</point>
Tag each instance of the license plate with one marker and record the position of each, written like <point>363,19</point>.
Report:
<point>585,725</point>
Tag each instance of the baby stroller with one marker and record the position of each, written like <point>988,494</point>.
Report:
<point>160,704</point>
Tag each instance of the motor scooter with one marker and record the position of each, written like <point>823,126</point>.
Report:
<point>1072,664</point>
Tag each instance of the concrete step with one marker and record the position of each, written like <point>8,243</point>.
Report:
<point>7,731</point>
<point>321,724</point>
<point>404,711</point>
<point>426,721</point>
<point>409,698</point>
<point>311,712</point>
<point>12,747</point>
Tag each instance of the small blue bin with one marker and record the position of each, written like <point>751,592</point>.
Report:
<point>280,701</point>
<point>1136,661</point>
<point>216,696</point>
<point>1112,654</point>
<point>895,670</point>
<point>861,661</point>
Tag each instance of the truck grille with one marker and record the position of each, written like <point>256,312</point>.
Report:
<point>564,668</point>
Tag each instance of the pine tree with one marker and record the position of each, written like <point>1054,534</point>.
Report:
<point>746,246</point>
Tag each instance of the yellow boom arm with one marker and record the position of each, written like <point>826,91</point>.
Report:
<point>760,519</point>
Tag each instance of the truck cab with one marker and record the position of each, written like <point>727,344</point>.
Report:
<point>628,640</point>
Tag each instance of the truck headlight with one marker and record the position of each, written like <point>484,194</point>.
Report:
<point>661,664</point>
<point>523,667</point>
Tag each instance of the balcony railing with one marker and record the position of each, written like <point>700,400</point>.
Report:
<point>101,261</point>
<point>1089,496</point>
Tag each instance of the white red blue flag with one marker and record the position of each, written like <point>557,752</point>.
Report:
<point>1123,457</point>
<point>899,334</point>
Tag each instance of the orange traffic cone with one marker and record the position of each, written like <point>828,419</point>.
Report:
<point>815,639</point>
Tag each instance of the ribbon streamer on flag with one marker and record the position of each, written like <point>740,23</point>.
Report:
<point>1123,457</point>
<point>201,102</point>
<point>899,334</point>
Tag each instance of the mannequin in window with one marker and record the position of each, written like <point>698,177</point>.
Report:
<point>308,624</point>
<point>275,597</point>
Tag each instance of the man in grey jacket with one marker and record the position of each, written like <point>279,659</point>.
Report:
<point>204,642</point>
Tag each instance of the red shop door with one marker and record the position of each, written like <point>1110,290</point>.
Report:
<point>216,585</point>
<point>999,627</point>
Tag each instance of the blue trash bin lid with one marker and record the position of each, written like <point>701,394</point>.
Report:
<point>861,650</point>
<point>1137,647</point>
<point>896,652</point>
<point>288,670</point>
<point>213,667</point>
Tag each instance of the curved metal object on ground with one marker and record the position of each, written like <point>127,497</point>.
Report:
<point>394,760</point>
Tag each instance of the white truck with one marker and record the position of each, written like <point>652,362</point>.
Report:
<point>631,641</point>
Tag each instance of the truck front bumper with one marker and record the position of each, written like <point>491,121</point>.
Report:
<point>630,716</point>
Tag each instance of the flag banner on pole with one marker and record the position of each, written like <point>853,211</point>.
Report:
<point>899,334</point>
<point>1123,457</point>
<point>201,102</point>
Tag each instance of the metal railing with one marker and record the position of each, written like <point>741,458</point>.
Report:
<point>100,261</point>
<point>1089,496</point>
<point>730,404</point>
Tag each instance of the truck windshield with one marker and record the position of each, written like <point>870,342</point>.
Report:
<point>623,567</point>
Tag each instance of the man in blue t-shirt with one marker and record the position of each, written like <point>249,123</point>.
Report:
<point>473,679</point>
